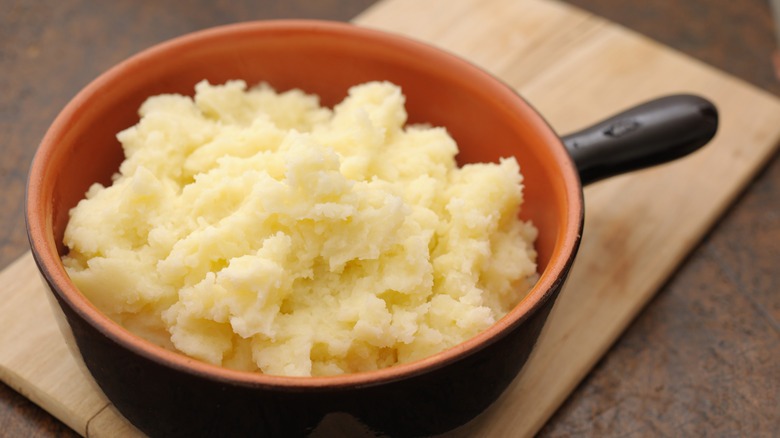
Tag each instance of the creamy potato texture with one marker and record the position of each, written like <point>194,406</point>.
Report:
<point>260,231</point>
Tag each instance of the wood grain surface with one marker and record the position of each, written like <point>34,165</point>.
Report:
<point>700,359</point>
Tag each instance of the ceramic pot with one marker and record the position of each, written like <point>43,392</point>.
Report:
<point>166,394</point>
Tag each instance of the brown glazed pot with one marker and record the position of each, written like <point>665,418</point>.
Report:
<point>166,394</point>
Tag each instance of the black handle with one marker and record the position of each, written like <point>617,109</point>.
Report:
<point>652,133</point>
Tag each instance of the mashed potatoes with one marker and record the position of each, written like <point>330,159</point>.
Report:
<point>262,232</point>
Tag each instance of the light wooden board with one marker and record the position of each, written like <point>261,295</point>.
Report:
<point>576,69</point>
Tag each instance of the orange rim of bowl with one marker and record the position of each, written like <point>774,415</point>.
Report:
<point>44,249</point>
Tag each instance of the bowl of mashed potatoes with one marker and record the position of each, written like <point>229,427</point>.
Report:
<point>257,227</point>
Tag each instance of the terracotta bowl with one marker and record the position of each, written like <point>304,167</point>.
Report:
<point>166,394</point>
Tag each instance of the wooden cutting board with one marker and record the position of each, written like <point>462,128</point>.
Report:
<point>573,67</point>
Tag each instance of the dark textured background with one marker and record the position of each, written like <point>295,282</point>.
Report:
<point>703,359</point>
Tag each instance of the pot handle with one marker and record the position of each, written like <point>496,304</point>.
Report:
<point>652,133</point>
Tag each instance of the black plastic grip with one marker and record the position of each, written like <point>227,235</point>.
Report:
<point>652,133</point>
